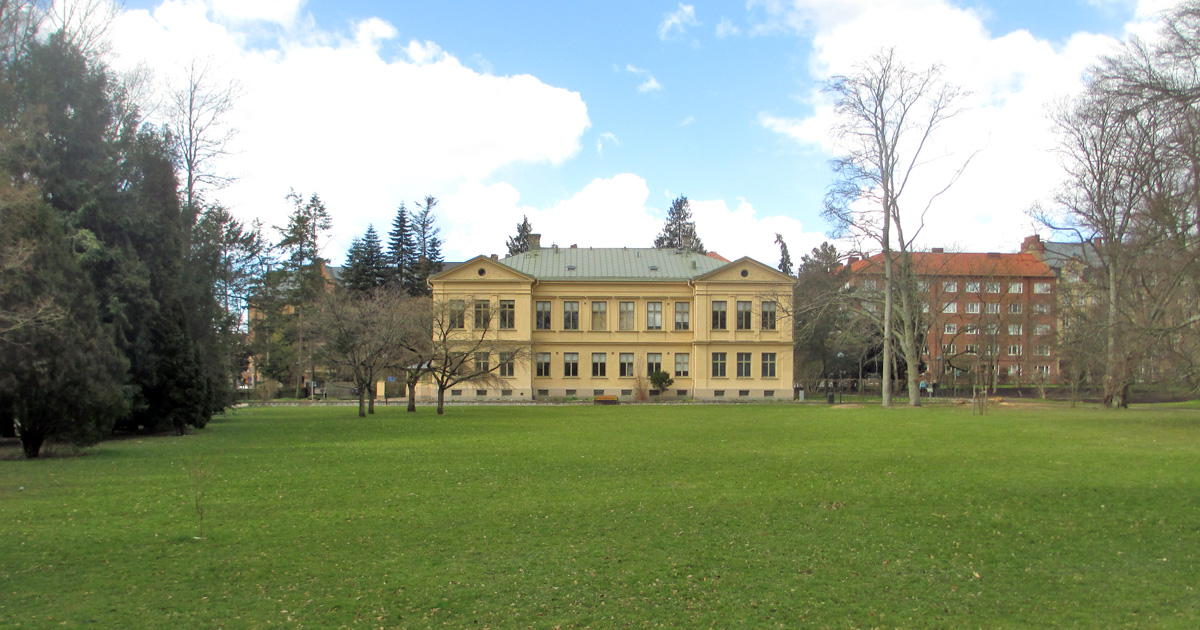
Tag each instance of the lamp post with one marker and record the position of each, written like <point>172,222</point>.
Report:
<point>841,376</point>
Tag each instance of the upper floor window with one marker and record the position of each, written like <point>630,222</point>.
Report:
<point>1041,329</point>
<point>1014,329</point>
<point>868,285</point>
<point>991,308</point>
<point>972,287</point>
<point>973,308</point>
<point>950,329</point>
<point>599,315</point>
<point>683,315</point>
<point>1041,309</point>
<point>483,314</point>
<point>625,316</point>
<point>571,315</point>
<point>1015,308</point>
<point>508,314</point>
<point>718,315</point>
<point>653,315</point>
<point>542,319</point>
<point>950,307</point>
<point>991,287</point>
<point>768,316</point>
<point>1041,287</point>
<point>743,315</point>
<point>950,286</point>
<point>1015,287</point>
<point>458,314</point>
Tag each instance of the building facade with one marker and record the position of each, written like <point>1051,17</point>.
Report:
<point>596,322</point>
<point>987,313</point>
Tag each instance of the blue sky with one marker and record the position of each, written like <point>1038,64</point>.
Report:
<point>590,117</point>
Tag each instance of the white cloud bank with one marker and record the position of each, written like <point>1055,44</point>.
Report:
<point>1013,79</point>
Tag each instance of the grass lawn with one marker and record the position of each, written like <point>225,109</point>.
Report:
<point>727,516</point>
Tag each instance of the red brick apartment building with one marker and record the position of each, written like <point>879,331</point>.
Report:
<point>987,312</point>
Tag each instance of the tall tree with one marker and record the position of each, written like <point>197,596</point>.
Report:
<point>198,108</point>
<point>785,258</point>
<point>401,251</point>
<point>679,232</point>
<point>519,244</point>
<point>366,266</point>
<point>427,243</point>
<point>304,269</point>
<point>886,113</point>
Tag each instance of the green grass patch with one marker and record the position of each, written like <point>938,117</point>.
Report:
<point>581,516</point>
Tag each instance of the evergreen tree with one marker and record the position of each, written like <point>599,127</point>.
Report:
<point>366,266</point>
<point>428,246</point>
<point>679,232</point>
<point>303,280</point>
<point>785,259</point>
<point>401,252</point>
<point>519,244</point>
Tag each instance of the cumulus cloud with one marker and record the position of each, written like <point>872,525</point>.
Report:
<point>676,22</point>
<point>324,112</point>
<point>1013,79</point>
<point>278,11</point>
<point>726,28</point>
<point>649,83</point>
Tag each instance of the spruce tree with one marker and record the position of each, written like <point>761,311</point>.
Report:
<point>679,232</point>
<point>366,267</point>
<point>519,244</point>
<point>785,258</point>
<point>428,245</point>
<point>401,252</point>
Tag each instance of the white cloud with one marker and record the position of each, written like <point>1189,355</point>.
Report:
<point>677,21</point>
<point>649,84</point>
<point>726,28</point>
<point>325,112</point>
<point>1013,78</point>
<point>739,231</point>
<point>278,11</point>
<point>687,121</point>
<point>608,137</point>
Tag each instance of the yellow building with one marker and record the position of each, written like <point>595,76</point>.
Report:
<point>592,322</point>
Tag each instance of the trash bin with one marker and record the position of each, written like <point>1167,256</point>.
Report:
<point>829,397</point>
<point>800,394</point>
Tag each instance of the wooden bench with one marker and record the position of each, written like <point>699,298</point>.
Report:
<point>606,400</point>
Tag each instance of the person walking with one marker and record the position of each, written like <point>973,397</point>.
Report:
<point>923,385</point>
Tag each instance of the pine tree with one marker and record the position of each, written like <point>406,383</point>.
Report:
<point>401,253</point>
<point>428,246</point>
<point>785,258</point>
<point>679,232</point>
<point>519,244</point>
<point>366,267</point>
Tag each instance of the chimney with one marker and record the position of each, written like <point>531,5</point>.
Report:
<point>535,242</point>
<point>938,250</point>
<point>495,257</point>
<point>1033,245</point>
<point>574,246</point>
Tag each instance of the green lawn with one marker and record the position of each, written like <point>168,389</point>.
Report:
<point>727,516</point>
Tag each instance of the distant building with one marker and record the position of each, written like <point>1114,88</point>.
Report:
<point>597,322</point>
<point>989,311</point>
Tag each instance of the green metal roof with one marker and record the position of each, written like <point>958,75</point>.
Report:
<point>566,263</point>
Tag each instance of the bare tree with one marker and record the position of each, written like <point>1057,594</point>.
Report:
<point>468,355</point>
<point>886,115</point>
<point>86,23</point>
<point>199,108</point>
<point>19,22</point>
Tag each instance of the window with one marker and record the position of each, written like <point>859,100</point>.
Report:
<point>599,363</point>
<point>571,315</point>
<point>871,307</point>
<point>924,307</point>
<point>950,307</point>
<point>681,363</point>
<point>991,329</point>
<point>743,393</point>
<point>1015,308</point>
<point>991,287</point>
<point>543,316</point>
<point>1041,351</point>
<point>768,365</point>
<point>1041,287</point>
<point>508,314</point>
<point>718,364</point>
<point>625,363</point>
<point>599,315</point>
<point>1014,350</point>
<point>1014,329</point>
<point>483,314</point>
<point>625,320</point>
<point>744,314</point>
<point>458,315</point>
<point>743,364</point>
<point>1044,370</point>
<point>950,329</point>
<point>718,315</point>
<point>948,349</point>
<point>1041,309</point>
<point>972,308</point>
<point>1041,329</point>
<point>506,364</point>
<point>542,363</point>
<point>683,315</point>
<point>570,364</point>
<point>991,308</point>
<point>970,329</point>
<point>653,362</point>
<point>969,348</point>
<point>1014,370</point>
<point>972,287</point>
<point>653,315</point>
<point>950,286</point>
<point>768,316</point>
<point>923,285</point>
<point>481,392</point>
<point>869,285</point>
<point>1014,287</point>
<point>481,363</point>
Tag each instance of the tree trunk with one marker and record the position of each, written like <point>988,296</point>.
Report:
<point>362,402</point>
<point>31,443</point>
<point>371,400</point>
<point>412,396</point>
<point>441,406</point>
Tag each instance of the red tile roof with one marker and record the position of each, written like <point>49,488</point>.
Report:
<point>717,256</point>
<point>965,264</point>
